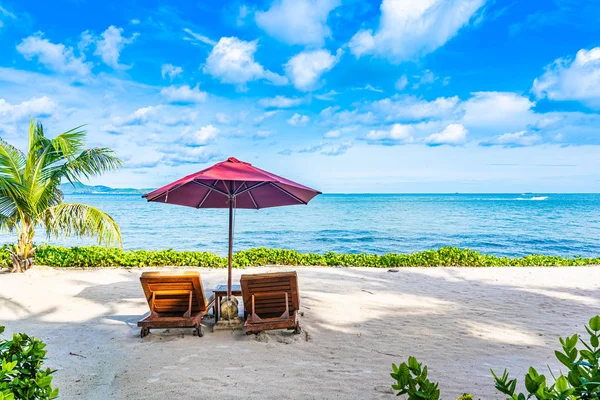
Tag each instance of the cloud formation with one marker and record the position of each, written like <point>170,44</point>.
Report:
<point>301,22</point>
<point>453,134</point>
<point>305,68</point>
<point>110,44</point>
<point>183,94</point>
<point>54,56</point>
<point>298,120</point>
<point>576,79</point>
<point>232,61</point>
<point>281,102</point>
<point>171,71</point>
<point>411,29</point>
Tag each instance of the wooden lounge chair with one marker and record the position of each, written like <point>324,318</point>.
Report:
<point>176,300</point>
<point>271,301</point>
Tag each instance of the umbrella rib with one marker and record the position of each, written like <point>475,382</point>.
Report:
<point>249,188</point>
<point>206,195</point>
<point>166,191</point>
<point>235,192</point>
<point>288,193</point>
<point>254,201</point>
<point>204,185</point>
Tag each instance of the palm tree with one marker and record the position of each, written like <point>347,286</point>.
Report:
<point>30,196</point>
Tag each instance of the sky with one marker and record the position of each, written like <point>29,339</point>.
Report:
<point>346,96</point>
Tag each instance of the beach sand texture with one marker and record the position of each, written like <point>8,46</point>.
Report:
<point>357,321</point>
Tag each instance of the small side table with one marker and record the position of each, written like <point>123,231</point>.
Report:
<point>221,291</point>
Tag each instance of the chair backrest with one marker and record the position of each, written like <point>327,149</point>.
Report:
<point>171,291</point>
<point>267,288</point>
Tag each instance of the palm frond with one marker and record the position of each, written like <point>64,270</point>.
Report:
<point>7,224</point>
<point>70,143</point>
<point>91,162</point>
<point>12,161</point>
<point>81,220</point>
<point>12,188</point>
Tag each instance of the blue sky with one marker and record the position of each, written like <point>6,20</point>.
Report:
<point>342,95</point>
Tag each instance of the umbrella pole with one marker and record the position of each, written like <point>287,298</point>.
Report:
<point>230,255</point>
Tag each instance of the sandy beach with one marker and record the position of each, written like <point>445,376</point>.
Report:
<point>357,321</point>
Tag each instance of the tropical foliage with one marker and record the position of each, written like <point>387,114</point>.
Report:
<point>95,256</point>
<point>411,380</point>
<point>30,196</point>
<point>582,380</point>
<point>21,374</point>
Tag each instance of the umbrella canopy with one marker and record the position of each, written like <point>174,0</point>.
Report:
<point>232,184</point>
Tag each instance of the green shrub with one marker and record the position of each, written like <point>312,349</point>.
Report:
<point>582,380</point>
<point>21,373</point>
<point>94,256</point>
<point>411,379</point>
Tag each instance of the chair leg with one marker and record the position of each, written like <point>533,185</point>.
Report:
<point>199,331</point>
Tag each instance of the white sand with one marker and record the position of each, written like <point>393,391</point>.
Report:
<point>459,321</point>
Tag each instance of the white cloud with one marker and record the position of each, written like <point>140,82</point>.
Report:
<point>332,116</point>
<point>243,13</point>
<point>55,57</point>
<point>329,96</point>
<point>516,139</point>
<point>301,22</point>
<point>453,134</point>
<point>281,102</point>
<point>337,150</point>
<point>110,45</point>
<point>261,134</point>
<point>410,29</point>
<point>332,134</point>
<point>305,68</point>
<point>401,83</point>
<point>397,134</point>
<point>86,40</point>
<point>232,61</point>
<point>180,155</point>
<point>196,37</point>
<point>201,137</point>
<point>156,117</point>
<point>36,107</point>
<point>298,120</point>
<point>140,116</point>
<point>266,115</point>
<point>373,89</point>
<point>222,118</point>
<point>134,21</point>
<point>498,110</point>
<point>428,78</point>
<point>411,108</point>
<point>6,15</point>
<point>572,79</point>
<point>170,70</point>
<point>183,94</point>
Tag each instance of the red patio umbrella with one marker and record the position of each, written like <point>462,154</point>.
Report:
<point>232,184</point>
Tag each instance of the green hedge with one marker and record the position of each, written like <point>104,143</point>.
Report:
<point>94,256</point>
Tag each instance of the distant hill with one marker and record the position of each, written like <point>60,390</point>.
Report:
<point>80,188</point>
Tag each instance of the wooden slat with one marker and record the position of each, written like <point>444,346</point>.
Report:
<point>171,293</point>
<point>269,293</point>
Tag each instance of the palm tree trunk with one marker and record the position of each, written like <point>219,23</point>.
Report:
<point>22,253</point>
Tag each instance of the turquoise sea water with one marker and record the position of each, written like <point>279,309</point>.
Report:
<point>503,224</point>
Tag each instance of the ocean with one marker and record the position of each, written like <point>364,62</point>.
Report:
<point>501,224</point>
